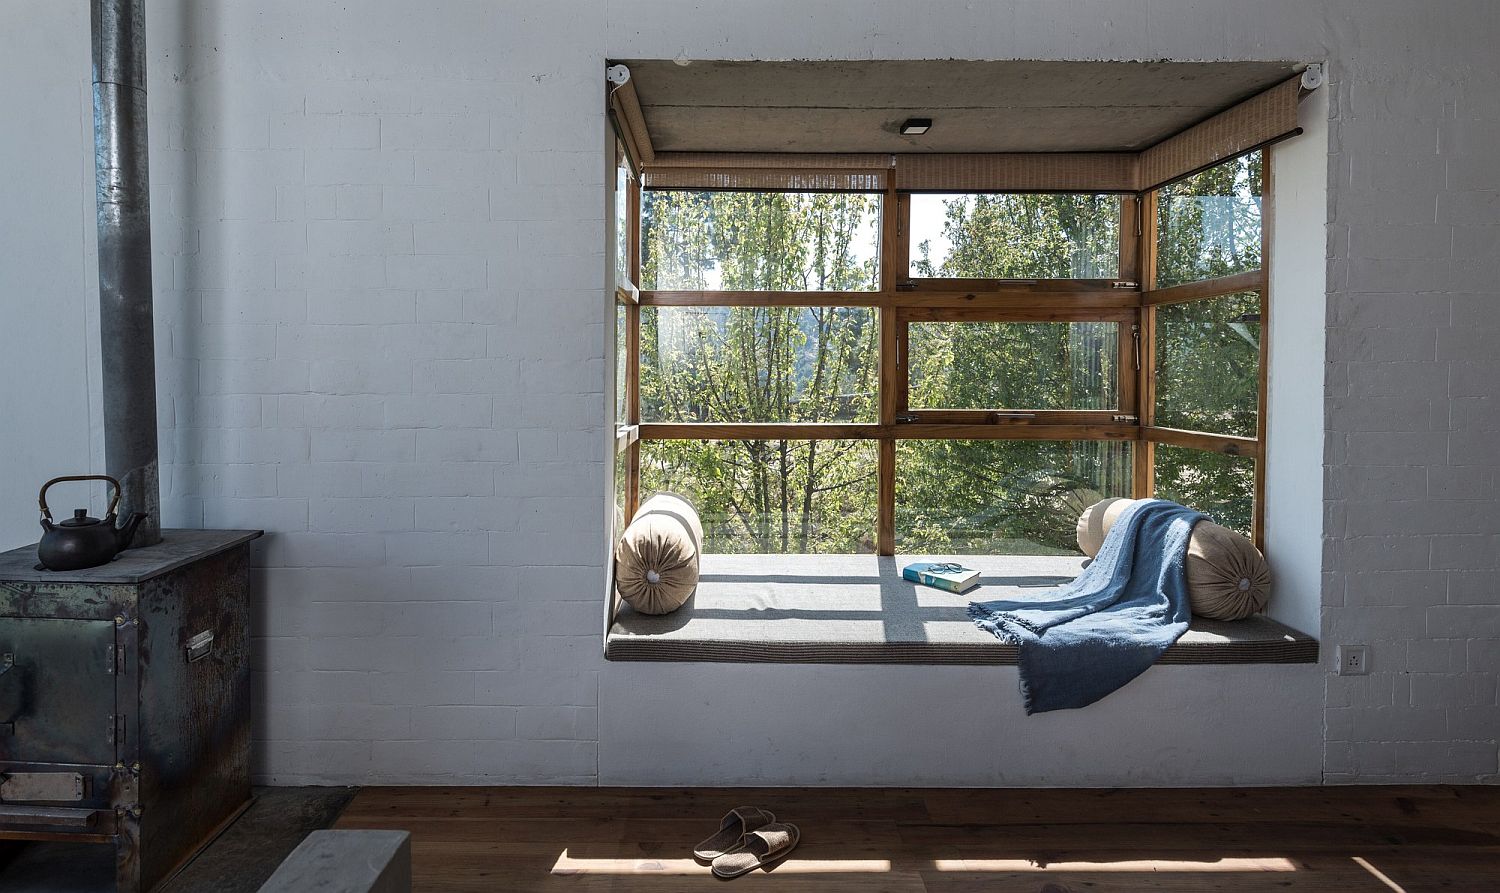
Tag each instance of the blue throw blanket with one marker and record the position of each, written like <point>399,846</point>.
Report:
<point>1089,637</point>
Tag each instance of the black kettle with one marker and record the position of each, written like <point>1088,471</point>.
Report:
<point>81,541</point>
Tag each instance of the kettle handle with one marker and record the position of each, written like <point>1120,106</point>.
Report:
<point>114,502</point>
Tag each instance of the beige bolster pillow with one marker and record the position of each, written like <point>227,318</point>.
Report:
<point>1096,521</point>
<point>1227,577</point>
<point>656,560</point>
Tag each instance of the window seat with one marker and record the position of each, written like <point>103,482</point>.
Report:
<point>853,609</point>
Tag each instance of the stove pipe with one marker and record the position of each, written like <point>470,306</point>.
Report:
<point>122,191</point>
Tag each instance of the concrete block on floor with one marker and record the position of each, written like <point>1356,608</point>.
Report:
<point>346,862</point>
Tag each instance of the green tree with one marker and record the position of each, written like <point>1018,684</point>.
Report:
<point>1025,236</point>
<point>763,364</point>
<point>1208,226</point>
<point>1023,496</point>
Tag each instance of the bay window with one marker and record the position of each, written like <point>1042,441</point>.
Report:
<point>861,368</point>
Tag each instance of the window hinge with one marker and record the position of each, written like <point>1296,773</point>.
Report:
<point>1124,283</point>
<point>1130,419</point>
<point>115,733</point>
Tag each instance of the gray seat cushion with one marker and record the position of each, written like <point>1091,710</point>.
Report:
<point>857,609</point>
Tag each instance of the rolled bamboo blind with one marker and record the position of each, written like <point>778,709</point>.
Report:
<point>759,170</point>
<point>1039,172</point>
<point>1258,121</point>
<point>627,108</point>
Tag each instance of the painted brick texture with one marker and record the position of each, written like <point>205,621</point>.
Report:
<point>1411,529</point>
<point>369,360</point>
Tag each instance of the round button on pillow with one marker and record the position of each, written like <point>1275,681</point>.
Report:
<point>656,559</point>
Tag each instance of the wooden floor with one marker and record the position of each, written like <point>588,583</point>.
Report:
<point>1049,841</point>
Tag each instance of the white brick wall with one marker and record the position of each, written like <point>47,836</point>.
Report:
<point>353,370</point>
<point>384,338</point>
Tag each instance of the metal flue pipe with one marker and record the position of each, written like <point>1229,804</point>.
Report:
<point>122,190</point>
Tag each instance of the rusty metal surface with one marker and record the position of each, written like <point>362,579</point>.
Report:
<point>55,816</point>
<point>177,547</point>
<point>96,778</point>
<point>194,714</point>
<point>76,600</point>
<point>57,703</point>
<point>56,787</point>
<point>170,762</point>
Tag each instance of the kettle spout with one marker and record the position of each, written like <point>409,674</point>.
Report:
<point>124,535</point>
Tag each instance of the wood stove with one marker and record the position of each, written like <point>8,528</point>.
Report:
<point>125,700</point>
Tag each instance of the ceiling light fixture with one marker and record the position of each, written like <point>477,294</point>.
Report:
<point>915,126</point>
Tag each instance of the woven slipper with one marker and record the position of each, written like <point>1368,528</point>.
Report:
<point>733,827</point>
<point>760,848</point>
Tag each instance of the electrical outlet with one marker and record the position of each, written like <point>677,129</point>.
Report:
<point>1353,660</point>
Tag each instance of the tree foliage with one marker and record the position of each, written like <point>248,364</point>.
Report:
<point>763,364</point>
<point>1209,225</point>
<point>1023,236</point>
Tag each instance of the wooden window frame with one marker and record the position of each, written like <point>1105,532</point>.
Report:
<point>1152,298</point>
<point>1128,300</point>
<point>628,295</point>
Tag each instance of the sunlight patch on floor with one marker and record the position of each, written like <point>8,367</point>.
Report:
<point>1157,865</point>
<point>568,865</point>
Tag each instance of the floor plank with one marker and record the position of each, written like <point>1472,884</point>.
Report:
<point>924,841</point>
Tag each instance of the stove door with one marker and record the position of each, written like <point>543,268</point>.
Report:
<point>57,690</point>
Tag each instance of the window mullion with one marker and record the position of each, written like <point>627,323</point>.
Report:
<point>1143,457</point>
<point>633,355</point>
<point>893,269</point>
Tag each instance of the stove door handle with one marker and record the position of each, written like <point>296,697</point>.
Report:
<point>9,705</point>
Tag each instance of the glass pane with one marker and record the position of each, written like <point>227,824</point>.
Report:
<point>771,495</point>
<point>1220,486</point>
<point>1209,224</point>
<point>1208,364</point>
<point>1002,497</point>
<point>621,470</point>
<point>1015,236</point>
<point>1008,365</point>
<point>760,241</point>
<point>622,216</point>
<point>759,364</point>
<point>622,415</point>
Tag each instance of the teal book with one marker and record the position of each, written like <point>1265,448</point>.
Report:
<point>942,575</point>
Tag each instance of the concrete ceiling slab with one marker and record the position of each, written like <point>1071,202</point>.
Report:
<point>858,106</point>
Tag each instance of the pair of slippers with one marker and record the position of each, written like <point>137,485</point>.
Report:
<point>748,838</point>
